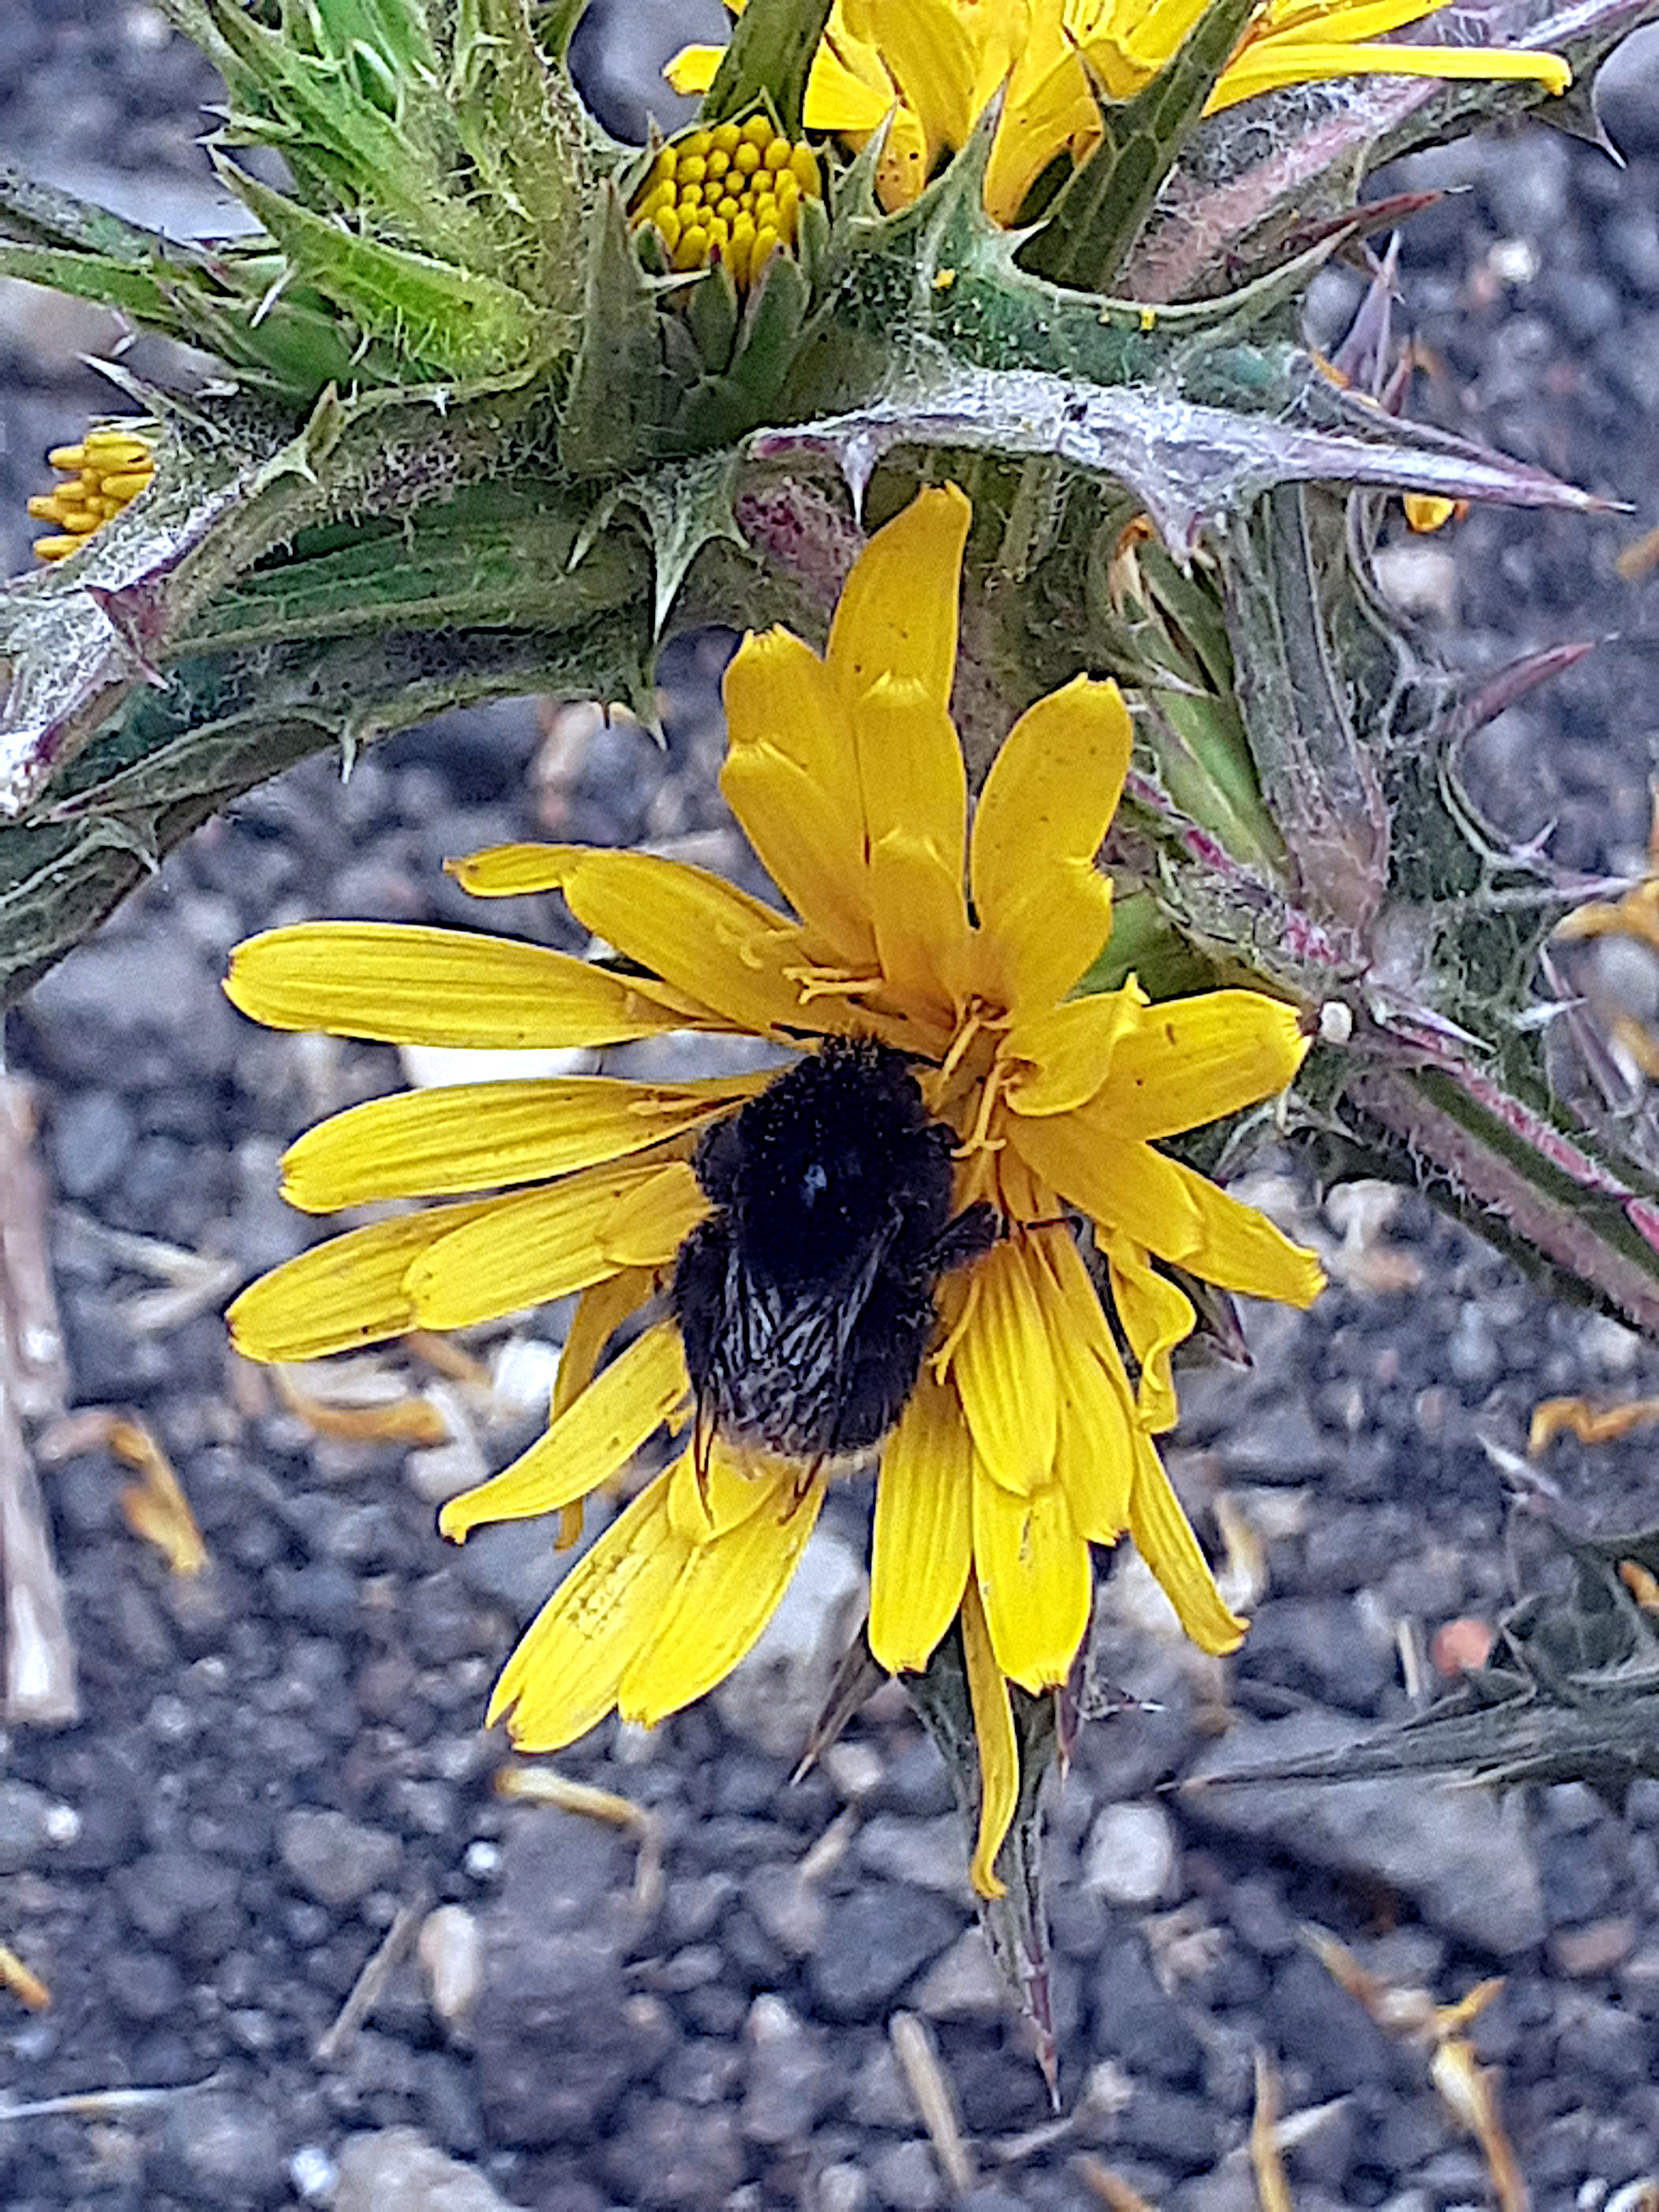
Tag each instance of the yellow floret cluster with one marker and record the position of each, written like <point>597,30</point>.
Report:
<point>104,471</point>
<point>734,190</point>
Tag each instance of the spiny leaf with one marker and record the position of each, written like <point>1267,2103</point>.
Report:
<point>615,393</point>
<point>446,321</point>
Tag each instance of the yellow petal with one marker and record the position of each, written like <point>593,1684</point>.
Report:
<point>839,99</point>
<point>652,1222</point>
<point>1157,1315</point>
<point>897,612</point>
<point>402,985</point>
<point>511,871</point>
<point>1062,1055</point>
<point>1036,1578</point>
<point>727,1591</point>
<point>999,1751</point>
<point>564,1675</point>
<point>915,813</point>
<point>693,69</point>
<point>1044,909</point>
<point>600,1312</point>
<point>923,1538</point>
<point>716,1485</point>
<point>537,1245</point>
<point>1118,1183</point>
<point>586,1446</point>
<point>1191,1060</point>
<point>1266,67</point>
<point>699,934</point>
<point>1049,103</point>
<point>928,47</point>
<point>1241,1250</point>
<point>485,1136</point>
<point>791,777</point>
<point>1094,1448</point>
<point>1163,1537</point>
<point>1004,1369</point>
<point>348,1293</point>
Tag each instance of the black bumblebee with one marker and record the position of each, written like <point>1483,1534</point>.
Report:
<point>805,1300</point>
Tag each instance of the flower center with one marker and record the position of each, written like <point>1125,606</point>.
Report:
<point>732,192</point>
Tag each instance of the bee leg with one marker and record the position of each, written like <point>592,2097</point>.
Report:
<point>703,1436</point>
<point>973,1232</point>
<point>805,1478</point>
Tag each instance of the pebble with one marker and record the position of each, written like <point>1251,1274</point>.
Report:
<point>775,1696</point>
<point>333,1858</point>
<point>1130,1856</point>
<point>966,1984</point>
<point>788,2076</point>
<point>874,1940</point>
<point>399,2168</point>
<point>450,1948</point>
<point>26,1825</point>
<point>907,2178</point>
<point>1465,1860</point>
<point>223,2150</point>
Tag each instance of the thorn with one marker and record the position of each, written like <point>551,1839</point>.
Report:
<point>1491,697</point>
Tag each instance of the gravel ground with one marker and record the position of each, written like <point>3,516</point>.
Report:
<point>280,1764</point>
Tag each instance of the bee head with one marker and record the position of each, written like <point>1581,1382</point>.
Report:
<point>827,1156</point>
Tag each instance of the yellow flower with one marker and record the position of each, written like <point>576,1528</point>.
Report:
<point>955,940</point>
<point>731,190</point>
<point>934,65</point>
<point>108,469</point>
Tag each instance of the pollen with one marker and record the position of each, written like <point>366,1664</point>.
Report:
<point>101,475</point>
<point>730,191</point>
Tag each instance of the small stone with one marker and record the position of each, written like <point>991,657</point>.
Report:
<point>26,1818</point>
<point>928,1854</point>
<point>1130,1856</point>
<point>1596,1949</point>
<point>874,1939</point>
<point>450,1948</point>
<point>789,2078</point>
<point>792,1911</point>
<point>666,2155</point>
<point>907,2179</point>
<point>334,1858</point>
<point>773,1696</point>
<point>222,2150</point>
<point>964,1985</point>
<point>93,1135</point>
<point>841,2188</point>
<point>398,2167</point>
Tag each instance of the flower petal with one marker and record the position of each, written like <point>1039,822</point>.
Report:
<point>898,613</point>
<point>998,1749</point>
<point>1094,1448</point>
<point>916,814</point>
<point>1192,1061</point>
<point>1163,1537</point>
<point>1044,909</point>
<point>539,1244</point>
<point>397,984</point>
<point>927,45</point>
<point>923,1540</point>
<point>716,1485</point>
<point>1240,1250</point>
<point>727,1591</point>
<point>586,1445</point>
<point>699,934</point>
<point>1069,1050</point>
<point>1119,1184</point>
<point>563,1677</point>
<point>345,1293</point>
<point>510,871</point>
<point>600,1312</point>
<point>485,1136</point>
<point>1036,1577</point>
<point>1156,1316</point>
<point>1265,67</point>
<point>1004,1369</point>
<point>791,777</point>
<point>652,1221</point>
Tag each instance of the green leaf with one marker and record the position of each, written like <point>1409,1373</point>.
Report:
<point>768,59</point>
<point>616,397</point>
<point>1097,216</point>
<point>444,321</point>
